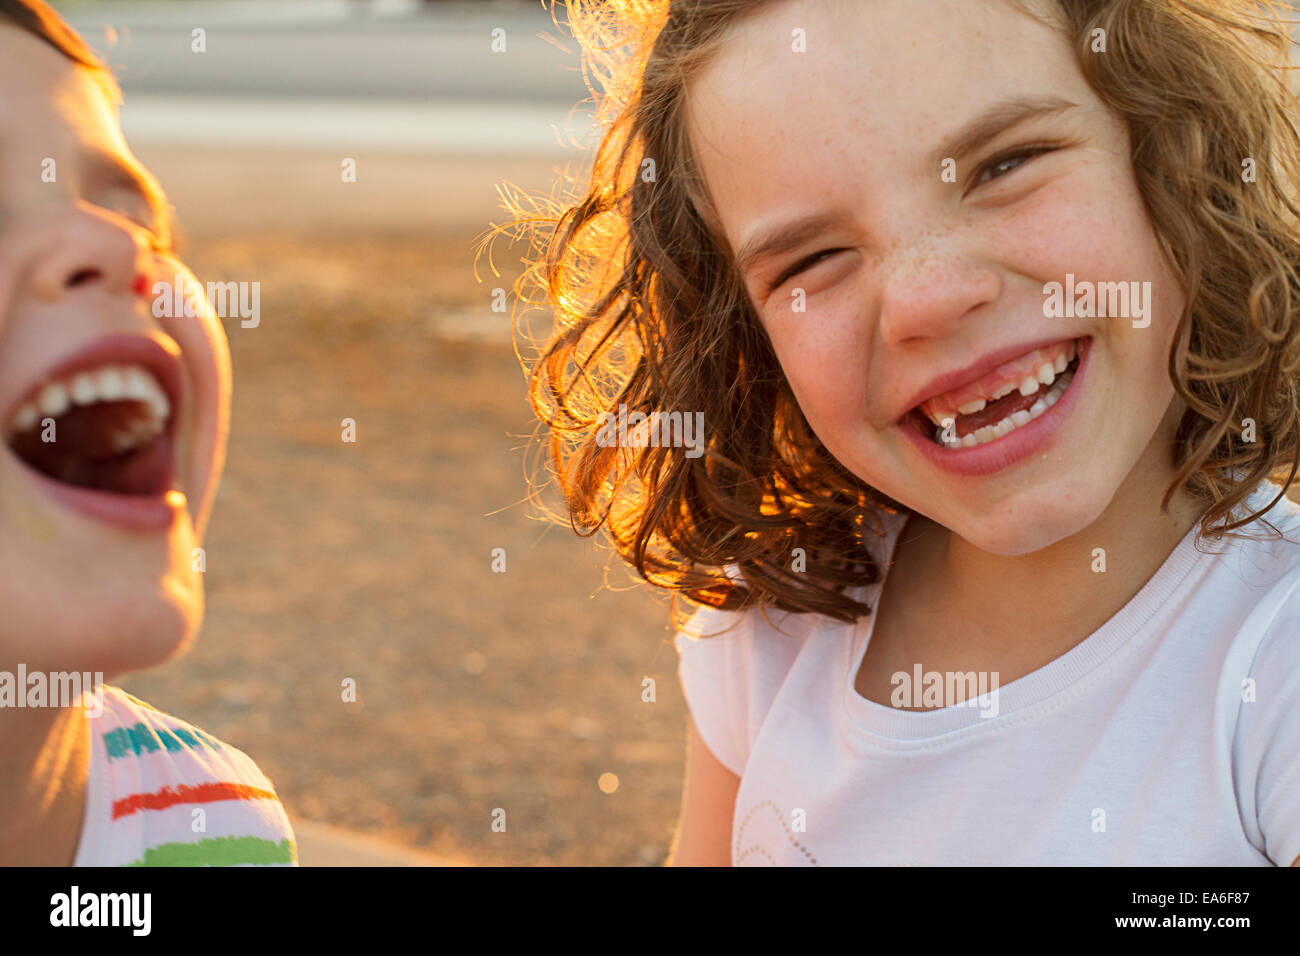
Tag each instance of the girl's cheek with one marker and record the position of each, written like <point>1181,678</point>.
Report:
<point>825,359</point>
<point>1050,229</point>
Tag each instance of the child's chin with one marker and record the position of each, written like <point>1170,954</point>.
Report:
<point>160,626</point>
<point>130,629</point>
<point>1038,526</point>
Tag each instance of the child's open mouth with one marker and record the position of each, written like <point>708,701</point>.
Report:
<point>100,431</point>
<point>997,405</point>
<point>103,429</point>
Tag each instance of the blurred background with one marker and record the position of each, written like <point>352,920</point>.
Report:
<point>476,689</point>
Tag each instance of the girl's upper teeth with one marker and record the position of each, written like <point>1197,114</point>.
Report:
<point>1025,374</point>
<point>109,383</point>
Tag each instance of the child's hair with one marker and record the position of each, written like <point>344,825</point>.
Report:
<point>42,22</point>
<point>650,314</point>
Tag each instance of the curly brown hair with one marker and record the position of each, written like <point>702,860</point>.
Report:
<point>649,312</point>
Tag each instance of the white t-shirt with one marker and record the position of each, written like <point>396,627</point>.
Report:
<point>161,792</point>
<point>1135,747</point>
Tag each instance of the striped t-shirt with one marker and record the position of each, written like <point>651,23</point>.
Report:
<point>161,792</point>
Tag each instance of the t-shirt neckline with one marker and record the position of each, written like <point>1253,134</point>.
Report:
<point>1127,628</point>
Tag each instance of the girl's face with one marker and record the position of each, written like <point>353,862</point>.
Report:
<point>924,279</point>
<point>113,420</point>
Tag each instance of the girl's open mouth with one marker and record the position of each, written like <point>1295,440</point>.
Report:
<point>1011,406</point>
<point>99,432</point>
<point>999,420</point>
<point>104,429</point>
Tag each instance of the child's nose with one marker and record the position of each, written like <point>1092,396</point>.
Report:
<point>929,288</point>
<point>89,248</point>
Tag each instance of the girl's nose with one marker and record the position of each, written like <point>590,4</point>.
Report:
<point>89,248</point>
<point>929,288</point>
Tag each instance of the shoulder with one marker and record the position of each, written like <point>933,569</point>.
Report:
<point>744,644</point>
<point>758,644</point>
<point>164,792</point>
<point>130,727</point>
<point>1262,680</point>
<point>1265,567</point>
<point>733,664</point>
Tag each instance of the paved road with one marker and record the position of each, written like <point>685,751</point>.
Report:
<point>395,49</point>
<point>249,136</point>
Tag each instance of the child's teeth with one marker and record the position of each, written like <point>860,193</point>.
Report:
<point>53,400</point>
<point>1061,362</point>
<point>84,391</point>
<point>158,403</point>
<point>1029,386</point>
<point>27,417</point>
<point>135,384</point>
<point>140,385</point>
<point>970,408</point>
<point>1046,373</point>
<point>1015,420</point>
<point>109,384</point>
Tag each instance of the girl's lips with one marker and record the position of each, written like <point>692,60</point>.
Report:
<point>139,513</point>
<point>146,513</point>
<point>1010,448</point>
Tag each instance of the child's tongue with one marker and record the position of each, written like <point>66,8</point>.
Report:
<point>146,471</point>
<point>994,412</point>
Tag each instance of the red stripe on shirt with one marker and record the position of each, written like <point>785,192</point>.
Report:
<point>184,793</point>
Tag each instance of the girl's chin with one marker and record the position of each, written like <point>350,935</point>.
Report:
<point>138,625</point>
<point>1029,527</point>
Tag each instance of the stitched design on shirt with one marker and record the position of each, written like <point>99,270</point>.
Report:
<point>757,848</point>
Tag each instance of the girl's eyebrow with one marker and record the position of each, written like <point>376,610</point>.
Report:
<point>994,121</point>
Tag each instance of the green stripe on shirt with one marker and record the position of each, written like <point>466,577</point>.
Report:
<point>219,851</point>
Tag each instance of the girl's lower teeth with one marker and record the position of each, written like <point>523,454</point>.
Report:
<point>1016,420</point>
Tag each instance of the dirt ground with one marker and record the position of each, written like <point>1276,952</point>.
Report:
<point>478,691</point>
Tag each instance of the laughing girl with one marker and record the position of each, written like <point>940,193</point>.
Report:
<point>981,579</point>
<point>115,423</point>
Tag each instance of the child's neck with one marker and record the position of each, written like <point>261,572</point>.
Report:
<point>966,609</point>
<point>44,763</point>
<point>1035,607</point>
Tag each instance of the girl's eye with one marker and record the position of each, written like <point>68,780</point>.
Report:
<point>1000,166</point>
<point>142,215</point>
<point>800,266</point>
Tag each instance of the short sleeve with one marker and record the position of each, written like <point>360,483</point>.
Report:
<point>714,666</point>
<point>732,666</point>
<point>1268,742</point>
